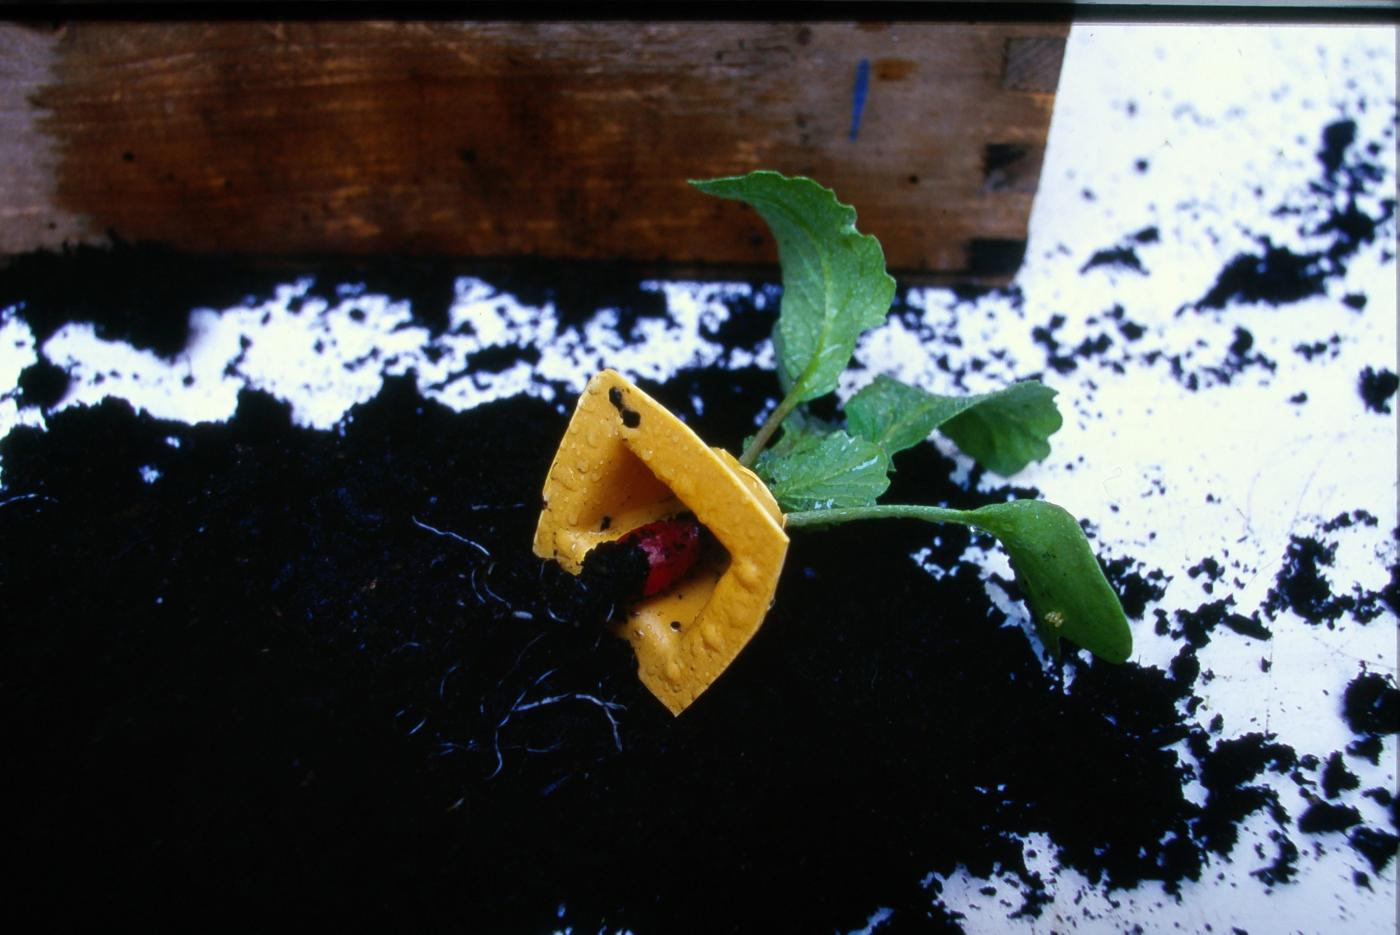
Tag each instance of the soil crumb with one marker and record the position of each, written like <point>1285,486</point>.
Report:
<point>1376,388</point>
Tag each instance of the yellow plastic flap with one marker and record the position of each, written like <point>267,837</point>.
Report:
<point>626,461</point>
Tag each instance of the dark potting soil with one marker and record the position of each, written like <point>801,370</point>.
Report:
<point>1278,275</point>
<point>321,674</point>
<point>1195,626</point>
<point>1302,587</point>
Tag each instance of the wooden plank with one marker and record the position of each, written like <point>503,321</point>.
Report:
<point>564,140</point>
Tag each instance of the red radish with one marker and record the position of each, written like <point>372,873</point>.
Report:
<point>671,547</point>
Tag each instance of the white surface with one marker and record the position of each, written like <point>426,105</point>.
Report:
<point>1217,112</point>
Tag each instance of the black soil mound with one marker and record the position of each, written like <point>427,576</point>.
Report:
<point>321,675</point>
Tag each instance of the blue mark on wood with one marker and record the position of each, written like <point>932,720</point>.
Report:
<point>858,95</point>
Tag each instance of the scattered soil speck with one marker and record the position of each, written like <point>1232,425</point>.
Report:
<point>1302,587</point>
<point>1376,388</point>
<point>1321,817</point>
<point>1372,705</point>
<point>1122,257</point>
<point>1336,777</point>
<point>1135,587</point>
<point>1377,846</point>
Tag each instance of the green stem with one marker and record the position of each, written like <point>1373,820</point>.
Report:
<point>770,425</point>
<point>931,514</point>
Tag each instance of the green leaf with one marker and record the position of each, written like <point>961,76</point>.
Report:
<point>1005,430</point>
<point>834,282</point>
<point>809,471</point>
<point>1009,429</point>
<point>1069,596</point>
<point>896,416</point>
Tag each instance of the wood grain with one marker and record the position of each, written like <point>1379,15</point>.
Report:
<point>495,140</point>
